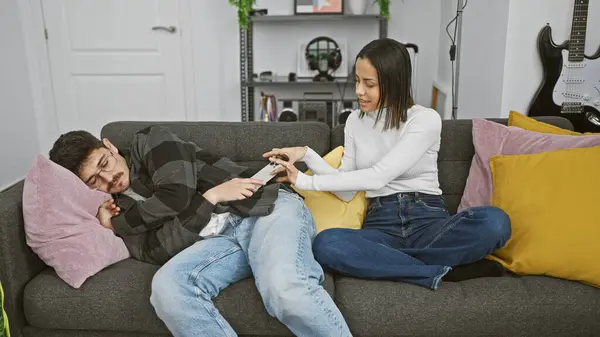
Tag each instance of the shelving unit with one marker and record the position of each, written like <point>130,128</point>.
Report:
<point>278,81</point>
<point>247,56</point>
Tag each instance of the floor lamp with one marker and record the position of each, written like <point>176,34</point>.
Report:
<point>456,70</point>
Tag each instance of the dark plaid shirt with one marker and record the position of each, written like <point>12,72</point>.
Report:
<point>172,174</point>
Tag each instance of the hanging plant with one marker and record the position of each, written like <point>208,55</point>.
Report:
<point>384,7</point>
<point>243,7</point>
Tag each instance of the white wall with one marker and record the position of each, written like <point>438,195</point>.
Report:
<point>215,35</point>
<point>216,40</point>
<point>216,58</point>
<point>500,69</point>
<point>418,21</point>
<point>18,129</point>
<point>522,68</point>
<point>482,53</point>
<point>482,47</point>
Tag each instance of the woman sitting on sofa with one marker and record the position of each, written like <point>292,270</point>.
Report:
<point>390,151</point>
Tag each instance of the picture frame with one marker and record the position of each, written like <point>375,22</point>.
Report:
<point>319,7</point>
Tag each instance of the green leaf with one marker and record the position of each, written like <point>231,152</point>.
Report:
<point>384,7</point>
<point>243,7</point>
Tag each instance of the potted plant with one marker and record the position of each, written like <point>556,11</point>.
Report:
<point>244,7</point>
<point>359,7</point>
<point>384,8</point>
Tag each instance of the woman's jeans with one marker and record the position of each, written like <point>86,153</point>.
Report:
<point>276,250</point>
<point>411,237</point>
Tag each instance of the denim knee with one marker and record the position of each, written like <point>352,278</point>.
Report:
<point>325,245</point>
<point>280,296</point>
<point>496,223</point>
<point>283,292</point>
<point>163,290</point>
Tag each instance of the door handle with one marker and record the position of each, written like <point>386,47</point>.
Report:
<point>170,29</point>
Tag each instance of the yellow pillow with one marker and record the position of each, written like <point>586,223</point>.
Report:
<point>524,122</point>
<point>552,200</point>
<point>328,210</point>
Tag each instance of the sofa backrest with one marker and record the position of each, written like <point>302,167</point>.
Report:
<point>456,154</point>
<point>243,143</point>
<point>246,142</point>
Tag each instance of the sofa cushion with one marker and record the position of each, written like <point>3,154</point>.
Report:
<point>493,139</point>
<point>327,209</point>
<point>522,121</point>
<point>532,189</point>
<point>118,299</point>
<point>499,306</point>
<point>61,227</point>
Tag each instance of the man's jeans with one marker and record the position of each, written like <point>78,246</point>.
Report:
<point>276,250</point>
<point>410,237</point>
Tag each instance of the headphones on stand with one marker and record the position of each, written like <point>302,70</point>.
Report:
<point>334,58</point>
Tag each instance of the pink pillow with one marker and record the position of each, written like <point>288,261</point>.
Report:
<point>491,138</point>
<point>61,226</point>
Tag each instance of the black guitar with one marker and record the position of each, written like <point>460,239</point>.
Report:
<point>571,84</point>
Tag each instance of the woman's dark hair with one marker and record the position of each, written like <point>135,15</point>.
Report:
<point>391,60</point>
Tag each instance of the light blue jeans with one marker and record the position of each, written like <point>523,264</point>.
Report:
<point>276,250</point>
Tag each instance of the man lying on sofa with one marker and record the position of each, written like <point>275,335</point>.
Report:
<point>211,225</point>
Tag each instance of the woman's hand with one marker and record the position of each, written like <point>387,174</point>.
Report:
<point>293,154</point>
<point>289,168</point>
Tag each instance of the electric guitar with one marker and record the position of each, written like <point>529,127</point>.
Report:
<point>571,84</point>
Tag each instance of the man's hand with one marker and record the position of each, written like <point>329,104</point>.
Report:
<point>293,154</point>
<point>289,168</point>
<point>106,211</point>
<point>235,189</point>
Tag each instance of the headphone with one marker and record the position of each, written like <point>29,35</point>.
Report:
<point>334,59</point>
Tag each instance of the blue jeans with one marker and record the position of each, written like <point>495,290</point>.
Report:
<point>276,250</point>
<point>411,237</point>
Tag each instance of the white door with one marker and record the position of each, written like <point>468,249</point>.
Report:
<point>115,60</point>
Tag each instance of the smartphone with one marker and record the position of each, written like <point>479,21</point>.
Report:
<point>265,173</point>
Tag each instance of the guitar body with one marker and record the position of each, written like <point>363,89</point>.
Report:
<point>553,62</point>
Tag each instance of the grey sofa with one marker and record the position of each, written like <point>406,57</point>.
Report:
<point>115,302</point>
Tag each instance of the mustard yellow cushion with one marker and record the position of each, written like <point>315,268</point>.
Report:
<point>327,209</point>
<point>524,122</point>
<point>552,200</point>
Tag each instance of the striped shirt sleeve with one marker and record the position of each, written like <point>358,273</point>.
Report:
<point>170,162</point>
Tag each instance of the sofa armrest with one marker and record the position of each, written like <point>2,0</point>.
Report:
<point>18,263</point>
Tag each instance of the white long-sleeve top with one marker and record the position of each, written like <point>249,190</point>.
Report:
<point>381,162</point>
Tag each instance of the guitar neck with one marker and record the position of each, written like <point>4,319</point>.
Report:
<point>578,29</point>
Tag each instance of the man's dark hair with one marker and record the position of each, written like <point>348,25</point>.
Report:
<point>394,71</point>
<point>72,149</point>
